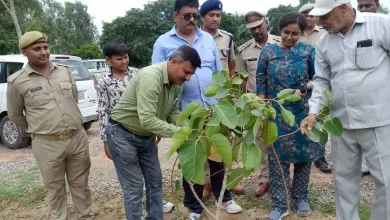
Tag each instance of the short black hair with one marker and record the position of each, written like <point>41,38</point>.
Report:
<point>293,18</point>
<point>115,48</point>
<point>187,53</point>
<point>179,4</point>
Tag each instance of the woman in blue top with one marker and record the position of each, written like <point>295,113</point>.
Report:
<point>289,64</point>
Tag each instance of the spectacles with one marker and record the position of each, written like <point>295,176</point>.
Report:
<point>188,16</point>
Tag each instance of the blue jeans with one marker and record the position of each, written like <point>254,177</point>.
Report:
<point>136,158</point>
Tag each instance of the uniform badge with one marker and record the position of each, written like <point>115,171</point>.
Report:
<point>36,89</point>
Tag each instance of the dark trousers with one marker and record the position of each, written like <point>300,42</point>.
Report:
<point>216,177</point>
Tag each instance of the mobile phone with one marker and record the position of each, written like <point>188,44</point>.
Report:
<point>364,43</point>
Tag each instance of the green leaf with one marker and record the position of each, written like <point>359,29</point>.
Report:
<point>241,102</point>
<point>226,113</point>
<point>325,111</point>
<point>243,73</point>
<point>235,178</point>
<point>243,118</point>
<point>259,105</point>
<point>287,116</point>
<point>251,122</point>
<point>324,138</point>
<point>199,112</point>
<point>250,97</point>
<point>293,98</point>
<point>211,130</point>
<point>192,159</point>
<point>315,135</point>
<point>251,156</point>
<point>222,93</point>
<point>285,92</point>
<point>187,111</point>
<point>334,127</point>
<point>208,105</point>
<point>319,126</point>
<point>236,151</point>
<point>280,102</point>
<point>250,137</point>
<point>257,113</point>
<point>224,148</point>
<point>205,144</point>
<point>214,120</point>
<point>178,139</point>
<point>211,90</point>
<point>219,77</point>
<point>256,126</point>
<point>270,112</point>
<point>228,84</point>
<point>196,123</point>
<point>270,133</point>
<point>237,81</point>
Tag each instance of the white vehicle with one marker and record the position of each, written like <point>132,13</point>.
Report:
<point>97,67</point>
<point>15,137</point>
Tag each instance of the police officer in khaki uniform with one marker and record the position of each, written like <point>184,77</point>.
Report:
<point>311,36</point>
<point>211,11</point>
<point>47,94</point>
<point>248,53</point>
<point>313,32</point>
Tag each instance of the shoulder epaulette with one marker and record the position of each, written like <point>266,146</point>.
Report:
<point>245,45</point>
<point>276,38</point>
<point>12,77</point>
<point>225,32</point>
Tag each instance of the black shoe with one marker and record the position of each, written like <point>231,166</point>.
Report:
<point>323,165</point>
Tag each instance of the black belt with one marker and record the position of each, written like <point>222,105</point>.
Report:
<point>113,122</point>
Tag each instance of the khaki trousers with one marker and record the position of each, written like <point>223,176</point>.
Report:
<point>70,157</point>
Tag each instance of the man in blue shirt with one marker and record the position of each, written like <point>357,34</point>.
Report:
<point>185,32</point>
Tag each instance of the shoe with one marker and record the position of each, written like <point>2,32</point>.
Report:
<point>262,189</point>
<point>323,165</point>
<point>231,207</point>
<point>167,206</point>
<point>206,190</point>
<point>366,173</point>
<point>239,189</point>
<point>193,216</point>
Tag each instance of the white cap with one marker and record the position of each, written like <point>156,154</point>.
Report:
<point>323,7</point>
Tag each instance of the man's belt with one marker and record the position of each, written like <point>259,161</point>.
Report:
<point>56,137</point>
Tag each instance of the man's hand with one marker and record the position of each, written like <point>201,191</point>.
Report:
<point>308,123</point>
<point>107,151</point>
<point>158,139</point>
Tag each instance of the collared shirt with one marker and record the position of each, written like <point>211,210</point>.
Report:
<point>109,90</point>
<point>247,59</point>
<point>149,104</point>
<point>49,103</point>
<point>204,44</point>
<point>357,76</point>
<point>223,40</point>
<point>314,36</point>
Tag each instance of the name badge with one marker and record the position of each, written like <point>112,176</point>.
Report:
<point>36,89</point>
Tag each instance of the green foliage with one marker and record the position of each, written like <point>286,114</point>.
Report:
<point>274,15</point>
<point>224,130</point>
<point>384,10</point>
<point>68,26</point>
<point>88,51</point>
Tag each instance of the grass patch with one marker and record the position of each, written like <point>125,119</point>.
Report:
<point>364,210</point>
<point>21,188</point>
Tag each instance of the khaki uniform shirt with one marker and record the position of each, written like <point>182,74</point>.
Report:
<point>49,103</point>
<point>223,39</point>
<point>314,36</point>
<point>150,103</point>
<point>247,59</point>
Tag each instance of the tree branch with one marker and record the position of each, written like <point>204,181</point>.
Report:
<point>172,189</point>
<point>221,195</point>
<point>200,201</point>
<point>6,7</point>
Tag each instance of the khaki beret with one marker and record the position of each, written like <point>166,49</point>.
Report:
<point>254,18</point>
<point>30,38</point>
<point>306,8</point>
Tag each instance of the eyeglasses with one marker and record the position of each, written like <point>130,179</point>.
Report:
<point>188,16</point>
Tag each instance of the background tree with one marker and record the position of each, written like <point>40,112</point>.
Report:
<point>384,10</point>
<point>11,10</point>
<point>274,15</point>
<point>88,51</point>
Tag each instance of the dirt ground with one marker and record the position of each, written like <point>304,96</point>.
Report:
<point>108,203</point>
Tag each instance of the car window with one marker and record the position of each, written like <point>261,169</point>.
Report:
<point>79,71</point>
<point>9,68</point>
<point>90,64</point>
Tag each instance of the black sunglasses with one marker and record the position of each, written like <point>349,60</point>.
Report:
<point>188,16</point>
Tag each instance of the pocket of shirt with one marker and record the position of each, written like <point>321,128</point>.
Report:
<point>207,56</point>
<point>66,88</point>
<point>365,57</point>
<point>38,97</point>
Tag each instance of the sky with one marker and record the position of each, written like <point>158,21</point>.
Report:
<point>109,10</point>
